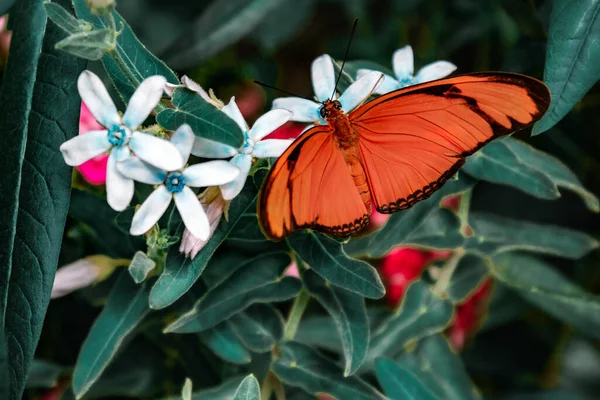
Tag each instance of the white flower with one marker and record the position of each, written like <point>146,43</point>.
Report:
<point>83,273</point>
<point>403,65</point>
<point>323,80</point>
<point>120,138</point>
<point>253,145</point>
<point>176,185</point>
<point>214,205</point>
<point>190,84</point>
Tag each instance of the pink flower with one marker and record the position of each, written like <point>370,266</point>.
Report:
<point>289,130</point>
<point>5,36</point>
<point>94,170</point>
<point>469,315</point>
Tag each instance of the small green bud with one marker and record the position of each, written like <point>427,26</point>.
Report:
<point>100,7</point>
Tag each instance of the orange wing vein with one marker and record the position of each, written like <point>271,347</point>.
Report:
<point>413,139</point>
<point>310,186</point>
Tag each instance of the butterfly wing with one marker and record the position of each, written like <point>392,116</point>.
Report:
<point>414,139</point>
<point>310,186</point>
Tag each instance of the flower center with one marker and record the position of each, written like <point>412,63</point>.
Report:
<point>175,182</point>
<point>406,81</point>
<point>248,146</point>
<point>118,135</point>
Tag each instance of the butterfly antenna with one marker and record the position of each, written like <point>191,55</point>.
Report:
<point>345,57</point>
<point>282,91</point>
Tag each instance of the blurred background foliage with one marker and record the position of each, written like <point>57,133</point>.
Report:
<point>519,349</point>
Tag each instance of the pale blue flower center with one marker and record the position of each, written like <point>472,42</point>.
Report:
<point>175,182</point>
<point>248,146</point>
<point>407,80</point>
<point>117,135</point>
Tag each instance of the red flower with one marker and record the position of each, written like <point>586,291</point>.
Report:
<point>289,130</point>
<point>94,170</point>
<point>468,315</point>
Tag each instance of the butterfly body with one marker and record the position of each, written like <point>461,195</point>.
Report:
<point>391,152</point>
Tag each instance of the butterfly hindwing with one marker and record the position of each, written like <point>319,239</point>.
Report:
<point>413,139</point>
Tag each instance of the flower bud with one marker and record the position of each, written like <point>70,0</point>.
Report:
<point>100,7</point>
<point>83,273</point>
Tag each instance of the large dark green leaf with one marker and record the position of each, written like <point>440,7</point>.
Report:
<point>182,272</point>
<point>301,366</point>
<point>328,259</point>
<point>40,109</point>
<point>258,282</point>
<point>206,120</point>
<point>543,286</point>
<point>495,234</point>
<point>126,307</point>
<point>350,315</point>
<point>259,327</point>
<point>440,369</point>
<point>140,61</point>
<point>224,343</point>
<point>421,313</point>
<point>399,383</point>
<point>572,57</point>
<point>423,224</point>
<point>222,23</point>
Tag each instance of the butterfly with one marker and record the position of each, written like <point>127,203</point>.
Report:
<point>391,152</point>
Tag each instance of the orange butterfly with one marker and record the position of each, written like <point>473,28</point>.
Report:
<point>392,151</point>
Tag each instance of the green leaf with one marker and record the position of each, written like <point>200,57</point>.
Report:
<point>498,163</point>
<point>225,391</point>
<point>259,327</point>
<point>572,57</point>
<point>140,267</point>
<point>5,6</point>
<point>225,344</point>
<point>303,367</point>
<point>95,212</point>
<point>186,391</point>
<point>44,374</point>
<point>89,45</point>
<point>328,259</point>
<point>495,234</point>
<point>421,313</point>
<point>182,272</point>
<point>64,19</point>
<point>558,172</point>
<point>40,106</point>
<point>206,120</point>
<point>222,23</point>
<point>249,389</point>
<point>350,315</point>
<point>248,230</point>
<point>470,272</point>
<point>424,224</point>
<point>258,282</point>
<point>315,331</point>
<point>141,62</point>
<point>399,383</point>
<point>126,307</point>
<point>440,369</point>
<point>543,286</point>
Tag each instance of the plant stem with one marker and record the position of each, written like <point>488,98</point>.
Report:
<point>271,384</point>
<point>463,212</point>
<point>295,316</point>
<point>441,285</point>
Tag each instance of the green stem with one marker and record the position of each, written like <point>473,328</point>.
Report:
<point>295,316</point>
<point>271,384</point>
<point>463,212</point>
<point>441,285</point>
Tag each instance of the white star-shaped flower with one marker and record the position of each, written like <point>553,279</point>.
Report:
<point>176,185</point>
<point>120,138</point>
<point>323,80</point>
<point>253,147</point>
<point>403,66</point>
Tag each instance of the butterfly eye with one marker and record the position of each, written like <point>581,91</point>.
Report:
<point>323,111</point>
<point>337,104</point>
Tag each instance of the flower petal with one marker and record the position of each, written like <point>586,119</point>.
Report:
<point>433,71</point>
<point>271,147</point>
<point>403,63</point>
<point>150,211</point>
<point>84,147</point>
<point>207,148</point>
<point>360,90</point>
<point>233,188</point>
<point>143,101</point>
<point>303,110</point>
<point>136,169</point>
<point>323,77</point>
<point>233,112</point>
<point>183,140</point>
<point>268,122</point>
<point>96,98</point>
<point>119,189</point>
<point>195,87</point>
<point>385,86</point>
<point>193,215</point>
<point>211,173</point>
<point>156,151</point>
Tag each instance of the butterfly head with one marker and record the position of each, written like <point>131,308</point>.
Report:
<point>330,109</point>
